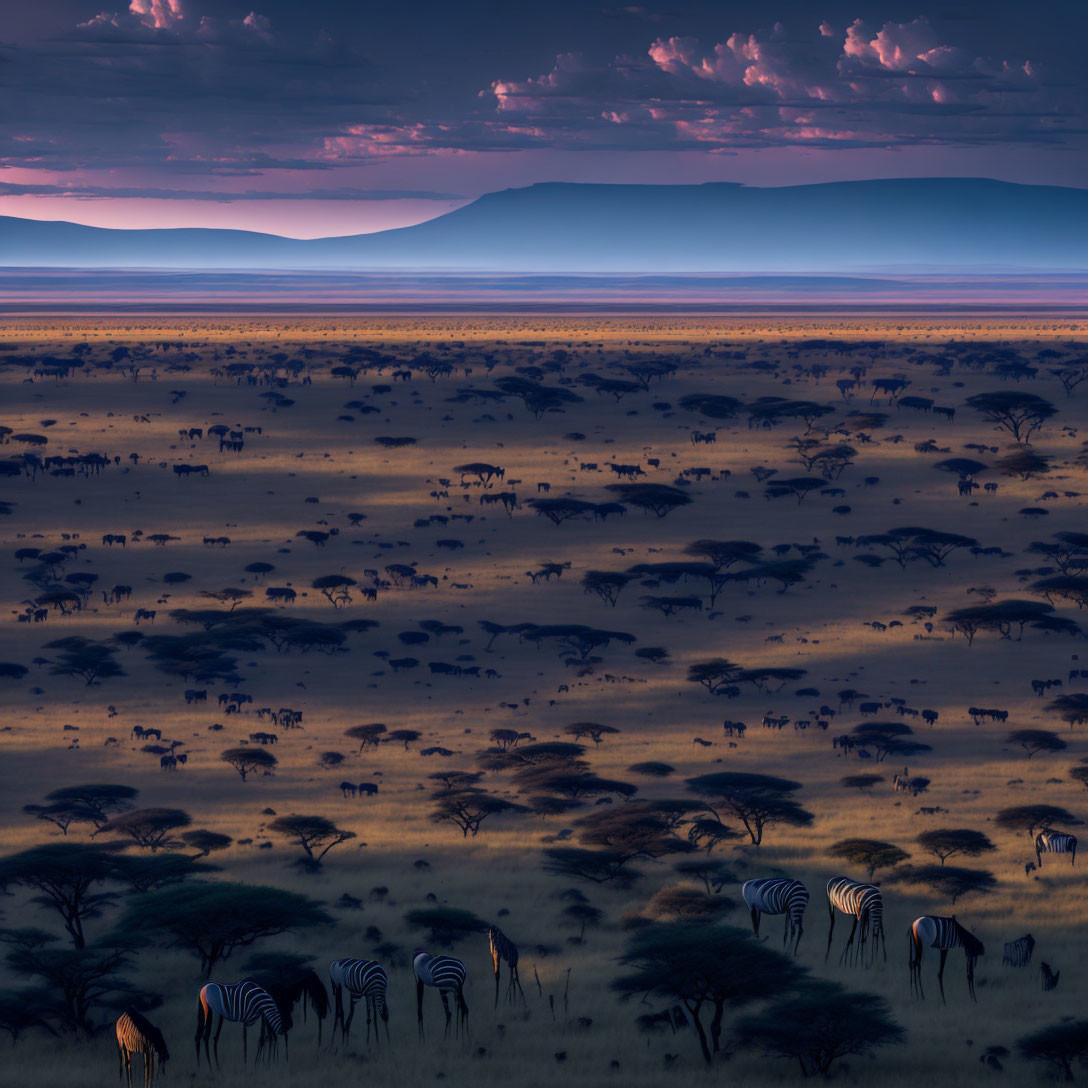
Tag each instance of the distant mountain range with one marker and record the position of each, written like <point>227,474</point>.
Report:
<point>926,224</point>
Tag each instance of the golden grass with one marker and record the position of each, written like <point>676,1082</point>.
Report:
<point>258,499</point>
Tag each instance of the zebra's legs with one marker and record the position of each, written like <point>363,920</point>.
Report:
<point>446,1007</point>
<point>215,1041</point>
<point>149,1068</point>
<point>515,984</point>
<point>462,1012</point>
<point>495,961</point>
<point>940,973</point>
<point>850,940</point>
<point>419,1005</point>
<point>915,953</point>
<point>799,930</point>
<point>755,921</point>
<point>345,1027</point>
<point>831,928</point>
<point>971,978</point>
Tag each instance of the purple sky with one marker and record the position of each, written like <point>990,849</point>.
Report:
<point>330,118</point>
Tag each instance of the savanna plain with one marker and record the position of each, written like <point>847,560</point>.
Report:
<point>563,568</point>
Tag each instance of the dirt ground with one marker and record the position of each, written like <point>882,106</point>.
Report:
<point>309,467</point>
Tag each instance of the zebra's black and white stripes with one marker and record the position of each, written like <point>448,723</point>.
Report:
<point>1018,952</point>
<point>366,979</point>
<point>865,904</point>
<point>137,1035</point>
<point>447,976</point>
<point>504,950</point>
<point>240,1002</point>
<point>778,895</point>
<point>941,933</point>
<point>1055,842</point>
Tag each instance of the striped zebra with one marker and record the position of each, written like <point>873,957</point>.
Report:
<point>447,976</point>
<point>778,895</point>
<point>865,904</point>
<point>137,1035</point>
<point>942,933</point>
<point>243,1002</point>
<point>1055,842</point>
<point>504,949</point>
<point>1018,952</point>
<point>364,979</point>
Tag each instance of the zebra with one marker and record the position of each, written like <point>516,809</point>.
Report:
<point>361,978</point>
<point>502,948</point>
<point>1055,842</point>
<point>445,974</point>
<point>865,903</point>
<point>137,1035</point>
<point>237,1001</point>
<point>942,933</point>
<point>1018,952</point>
<point>778,895</point>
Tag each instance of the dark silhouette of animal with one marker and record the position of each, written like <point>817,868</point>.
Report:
<point>137,1035</point>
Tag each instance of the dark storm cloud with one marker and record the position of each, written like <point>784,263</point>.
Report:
<point>209,89</point>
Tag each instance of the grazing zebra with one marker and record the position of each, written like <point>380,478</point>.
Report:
<point>1055,842</point>
<point>1018,952</point>
<point>237,1001</point>
<point>361,978</point>
<point>502,948</point>
<point>942,933</point>
<point>447,976</point>
<point>137,1035</point>
<point>777,895</point>
<point>865,904</point>
<point>289,989</point>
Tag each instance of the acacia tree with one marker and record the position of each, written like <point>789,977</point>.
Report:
<point>656,499</point>
<point>315,834</point>
<point>1028,819</point>
<point>211,920</point>
<point>247,760</point>
<point>949,880</point>
<point>1021,414</point>
<point>872,854</point>
<point>593,730</point>
<point>1034,741</point>
<point>76,980</point>
<point>1059,1044</point>
<point>947,842</point>
<point>149,828</point>
<point>335,587</point>
<point>65,877</point>
<point>606,584</point>
<point>820,1024</point>
<point>1071,708</point>
<point>705,969</point>
<point>758,801</point>
<point>718,675</point>
<point>366,734</point>
<point>467,806</point>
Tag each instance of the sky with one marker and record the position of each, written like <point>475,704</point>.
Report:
<point>323,117</point>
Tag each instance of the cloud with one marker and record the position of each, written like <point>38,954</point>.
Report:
<point>897,85</point>
<point>114,192</point>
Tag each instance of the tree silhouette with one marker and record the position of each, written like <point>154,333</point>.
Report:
<point>595,732</point>
<point>798,486</point>
<point>596,866</point>
<point>758,801</point>
<point>366,734</point>
<point>64,876</point>
<point>947,842</point>
<point>718,676</point>
<point>706,969</point>
<point>315,834</point>
<point>1071,708</point>
<point>656,499</point>
<point>1002,617</point>
<point>247,760</point>
<point>467,807</point>
<point>149,828</point>
<point>205,842</point>
<point>1021,414</point>
<point>561,509</point>
<point>819,1025</point>
<point>78,981</point>
<point>1029,818</point>
<point>211,920</point>
<point>91,662</point>
<point>446,925</point>
<point>91,804</point>
<point>948,880</point>
<point>335,587</point>
<point>1034,741</point>
<point>887,739</point>
<point>606,584</point>
<point>1059,1044</point>
<point>871,854</point>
